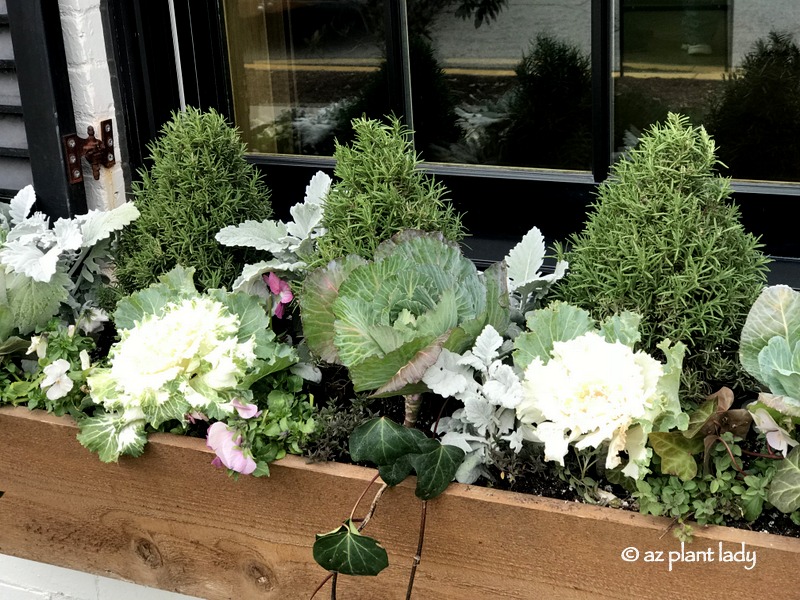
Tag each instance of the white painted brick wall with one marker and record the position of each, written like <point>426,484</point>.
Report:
<point>27,580</point>
<point>92,97</point>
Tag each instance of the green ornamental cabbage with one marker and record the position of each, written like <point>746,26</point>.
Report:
<point>388,319</point>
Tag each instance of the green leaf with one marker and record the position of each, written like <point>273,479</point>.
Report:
<point>174,409</point>
<point>699,418</point>
<point>252,315</point>
<point>7,322</point>
<point>346,551</point>
<point>558,322</point>
<point>784,491</point>
<point>381,441</point>
<point>669,386</point>
<point>14,345</point>
<point>172,286</point>
<point>752,504</point>
<point>396,471</point>
<point>110,435</point>
<point>497,303</point>
<point>436,469</point>
<point>320,290</point>
<point>406,376</point>
<point>623,328</point>
<point>776,312</point>
<point>780,367</point>
<point>34,303</point>
<point>677,453</point>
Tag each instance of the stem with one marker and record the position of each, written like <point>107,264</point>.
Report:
<point>333,585</point>
<point>733,458</point>
<point>331,575</point>
<point>373,506</point>
<point>761,455</point>
<point>418,555</point>
<point>364,493</point>
<point>413,402</point>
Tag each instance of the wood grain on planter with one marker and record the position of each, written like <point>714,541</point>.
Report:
<point>170,520</point>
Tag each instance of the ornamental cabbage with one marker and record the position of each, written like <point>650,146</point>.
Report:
<point>388,320</point>
<point>180,353</point>
<point>589,388</point>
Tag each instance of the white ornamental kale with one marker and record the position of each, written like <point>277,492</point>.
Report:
<point>180,353</point>
<point>590,393</point>
<point>489,402</point>
<point>43,267</point>
<point>290,244</point>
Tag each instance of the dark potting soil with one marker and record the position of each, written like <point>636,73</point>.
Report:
<point>529,474</point>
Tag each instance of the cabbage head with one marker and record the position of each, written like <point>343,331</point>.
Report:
<point>388,319</point>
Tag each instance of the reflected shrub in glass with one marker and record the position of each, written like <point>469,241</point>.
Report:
<point>550,110</point>
<point>756,118</point>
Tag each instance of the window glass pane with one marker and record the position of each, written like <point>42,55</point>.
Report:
<point>731,66</point>
<point>510,90</point>
<point>299,69</point>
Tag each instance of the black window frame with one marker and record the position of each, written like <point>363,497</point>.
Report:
<point>500,203</point>
<point>41,66</point>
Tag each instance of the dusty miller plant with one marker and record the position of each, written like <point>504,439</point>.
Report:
<point>51,271</point>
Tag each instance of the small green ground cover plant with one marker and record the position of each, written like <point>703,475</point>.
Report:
<point>197,182</point>
<point>664,240</point>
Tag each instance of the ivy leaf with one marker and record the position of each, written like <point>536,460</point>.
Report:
<point>676,452</point>
<point>397,471</point>
<point>435,470</point>
<point>381,441</point>
<point>784,491</point>
<point>346,551</point>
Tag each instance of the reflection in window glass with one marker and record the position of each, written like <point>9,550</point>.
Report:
<point>511,87</point>
<point>299,68</point>
<point>493,82</point>
<point>731,66</point>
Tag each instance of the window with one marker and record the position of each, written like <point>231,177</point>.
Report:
<point>519,107</point>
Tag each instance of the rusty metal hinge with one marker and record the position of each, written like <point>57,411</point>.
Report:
<point>97,152</point>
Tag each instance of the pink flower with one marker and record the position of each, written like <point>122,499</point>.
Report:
<point>279,288</point>
<point>195,416</point>
<point>246,411</point>
<point>225,441</point>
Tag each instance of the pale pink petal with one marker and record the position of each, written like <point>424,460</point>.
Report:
<point>246,411</point>
<point>217,435</point>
